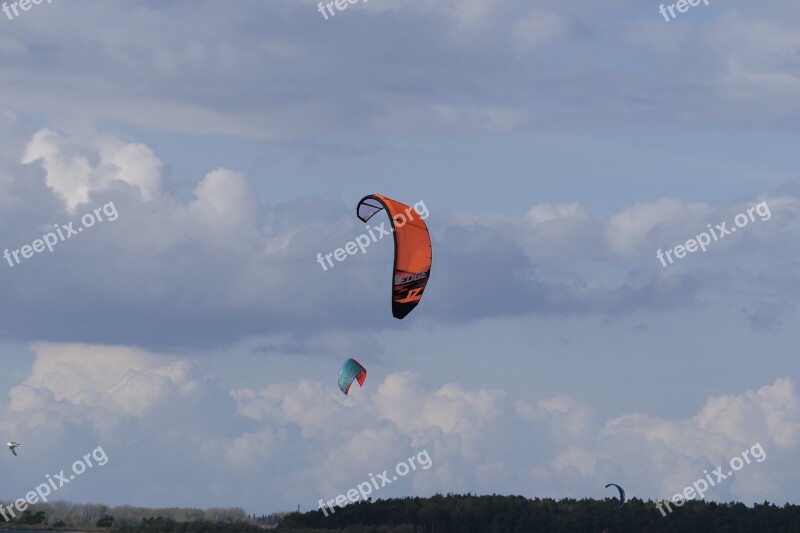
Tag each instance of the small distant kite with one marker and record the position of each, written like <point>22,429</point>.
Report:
<point>412,250</point>
<point>351,370</point>
<point>11,446</point>
<point>621,495</point>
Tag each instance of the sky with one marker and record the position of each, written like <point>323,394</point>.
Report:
<point>203,154</point>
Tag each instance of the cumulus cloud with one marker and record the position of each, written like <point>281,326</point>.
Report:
<point>167,417</point>
<point>627,230</point>
<point>74,370</point>
<point>220,265</point>
<point>74,177</point>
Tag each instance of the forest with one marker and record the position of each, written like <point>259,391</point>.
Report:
<point>440,513</point>
<point>516,514</point>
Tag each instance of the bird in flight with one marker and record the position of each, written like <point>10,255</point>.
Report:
<point>11,446</point>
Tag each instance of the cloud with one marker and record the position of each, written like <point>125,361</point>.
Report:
<point>220,266</point>
<point>185,431</point>
<point>74,178</point>
<point>627,230</point>
<point>545,63</point>
<point>74,370</point>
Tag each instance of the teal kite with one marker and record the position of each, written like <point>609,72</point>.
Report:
<point>351,369</point>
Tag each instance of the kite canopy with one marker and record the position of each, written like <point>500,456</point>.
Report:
<point>621,495</point>
<point>351,369</point>
<point>412,250</point>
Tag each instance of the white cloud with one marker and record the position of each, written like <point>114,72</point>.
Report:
<point>627,230</point>
<point>71,370</point>
<point>72,176</point>
<point>164,415</point>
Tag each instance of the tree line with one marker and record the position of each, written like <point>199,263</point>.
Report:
<point>68,514</point>
<point>442,514</point>
<point>516,514</point>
